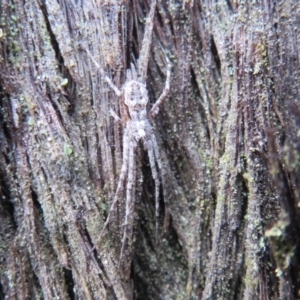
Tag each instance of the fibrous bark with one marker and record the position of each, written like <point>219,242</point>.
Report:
<point>228,136</point>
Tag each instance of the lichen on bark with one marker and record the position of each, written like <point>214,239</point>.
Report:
<point>228,136</point>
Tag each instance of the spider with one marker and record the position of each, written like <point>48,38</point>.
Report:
<point>137,128</point>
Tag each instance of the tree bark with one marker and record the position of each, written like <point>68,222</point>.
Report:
<point>228,135</point>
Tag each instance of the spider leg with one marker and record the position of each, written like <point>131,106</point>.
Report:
<point>115,116</point>
<point>151,154</point>
<point>154,109</point>
<point>123,173</point>
<point>130,197</point>
<point>157,155</point>
<point>161,170</point>
<point>108,80</point>
<point>113,87</point>
<point>144,53</point>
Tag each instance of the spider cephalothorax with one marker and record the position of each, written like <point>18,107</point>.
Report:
<point>135,95</point>
<point>136,100</point>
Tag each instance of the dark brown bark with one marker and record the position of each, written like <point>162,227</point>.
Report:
<point>228,136</point>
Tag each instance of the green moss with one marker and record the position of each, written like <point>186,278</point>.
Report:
<point>247,176</point>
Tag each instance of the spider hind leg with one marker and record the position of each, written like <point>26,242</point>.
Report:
<point>130,202</point>
<point>155,176</point>
<point>123,173</point>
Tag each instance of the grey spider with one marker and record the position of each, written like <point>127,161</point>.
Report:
<point>137,128</point>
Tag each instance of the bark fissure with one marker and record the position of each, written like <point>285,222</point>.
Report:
<point>228,136</point>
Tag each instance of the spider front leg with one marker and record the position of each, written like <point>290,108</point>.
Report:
<point>113,87</point>
<point>154,110</point>
<point>115,116</point>
<point>108,80</point>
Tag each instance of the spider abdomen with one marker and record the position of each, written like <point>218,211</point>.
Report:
<point>138,128</point>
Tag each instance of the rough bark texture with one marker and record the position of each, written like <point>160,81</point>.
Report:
<point>228,136</point>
